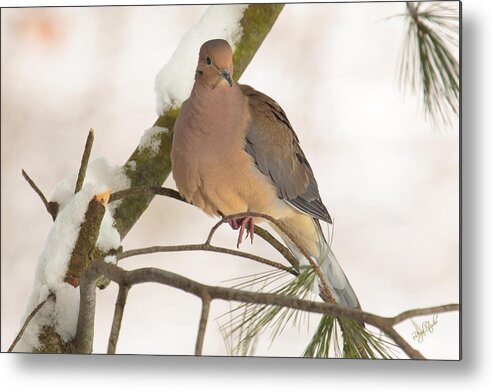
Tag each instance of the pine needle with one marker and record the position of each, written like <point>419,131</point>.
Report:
<point>248,321</point>
<point>428,64</point>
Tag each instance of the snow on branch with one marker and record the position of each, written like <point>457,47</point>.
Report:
<point>83,229</point>
<point>61,311</point>
<point>175,80</point>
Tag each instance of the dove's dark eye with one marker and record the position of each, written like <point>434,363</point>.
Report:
<point>208,60</point>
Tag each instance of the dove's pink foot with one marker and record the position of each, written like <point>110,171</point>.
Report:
<point>246,223</point>
<point>234,224</point>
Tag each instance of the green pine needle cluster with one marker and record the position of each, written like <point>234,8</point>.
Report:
<point>428,61</point>
<point>247,322</point>
<point>357,341</point>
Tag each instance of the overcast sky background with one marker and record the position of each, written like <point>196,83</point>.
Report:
<point>388,177</point>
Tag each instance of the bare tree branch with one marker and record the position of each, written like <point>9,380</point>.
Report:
<point>204,247</point>
<point>117,318</point>
<point>84,161</point>
<point>84,335</point>
<point>421,312</point>
<point>204,316</point>
<point>143,275</point>
<point>139,190</point>
<point>50,206</point>
<point>285,252</point>
<point>402,343</point>
<point>26,323</point>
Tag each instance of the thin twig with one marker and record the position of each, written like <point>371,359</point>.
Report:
<point>117,318</point>
<point>26,323</point>
<point>204,316</point>
<point>284,251</point>
<point>208,248</point>
<point>138,190</point>
<point>421,312</point>
<point>84,161</point>
<point>51,206</point>
<point>213,230</point>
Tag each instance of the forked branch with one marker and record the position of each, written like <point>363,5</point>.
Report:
<point>155,275</point>
<point>50,206</point>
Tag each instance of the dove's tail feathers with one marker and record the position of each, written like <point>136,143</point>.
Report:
<point>335,276</point>
<point>311,236</point>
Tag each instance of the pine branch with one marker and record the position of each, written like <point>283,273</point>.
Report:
<point>428,64</point>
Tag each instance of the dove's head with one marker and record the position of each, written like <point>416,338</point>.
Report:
<point>215,63</point>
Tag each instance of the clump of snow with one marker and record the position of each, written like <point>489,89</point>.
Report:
<point>66,310</point>
<point>111,259</point>
<point>29,340</point>
<point>51,270</point>
<point>98,172</point>
<point>52,266</point>
<point>151,139</point>
<point>175,80</point>
<point>108,238</point>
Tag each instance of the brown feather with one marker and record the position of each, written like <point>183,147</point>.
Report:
<point>273,144</point>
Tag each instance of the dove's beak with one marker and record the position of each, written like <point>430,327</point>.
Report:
<point>227,75</point>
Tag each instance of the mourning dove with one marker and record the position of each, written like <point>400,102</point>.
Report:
<point>234,151</point>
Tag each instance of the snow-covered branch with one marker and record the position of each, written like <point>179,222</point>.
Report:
<point>82,231</point>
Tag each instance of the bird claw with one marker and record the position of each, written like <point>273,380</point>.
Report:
<point>234,224</point>
<point>246,223</point>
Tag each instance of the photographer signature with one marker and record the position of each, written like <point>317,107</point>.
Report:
<point>426,326</point>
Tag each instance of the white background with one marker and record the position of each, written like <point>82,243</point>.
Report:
<point>435,374</point>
